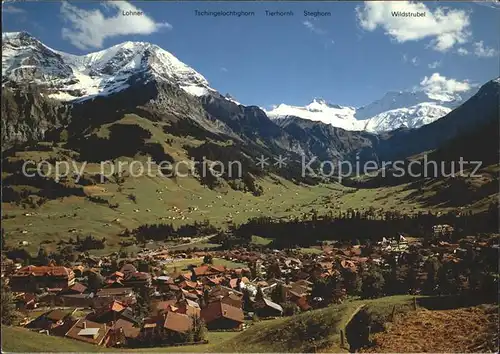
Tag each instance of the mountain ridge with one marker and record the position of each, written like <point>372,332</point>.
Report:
<point>411,109</point>
<point>72,78</point>
<point>164,100</point>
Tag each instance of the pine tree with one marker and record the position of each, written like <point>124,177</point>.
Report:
<point>95,281</point>
<point>42,257</point>
<point>246,302</point>
<point>206,296</point>
<point>352,282</point>
<point>373,284</point>
<point>199,329</point>
<point>278,294</point>
<point>142,306</point>
<point>114,265</point>
<point>432,266</point>
<point>8,309</point>
<point>411,279</point>
<point>274,271</point>
<point>260,295</point>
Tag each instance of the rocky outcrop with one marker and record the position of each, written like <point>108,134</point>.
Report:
<point>27,116</point>
<point>325,141</point>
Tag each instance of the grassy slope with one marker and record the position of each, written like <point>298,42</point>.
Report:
<point>318,329</point>
<point>475,194</point>
<point>214,338</point>
<point>261,241</point>
<point>20,340</point>
<point>470,329</point>
<point>54,219</point>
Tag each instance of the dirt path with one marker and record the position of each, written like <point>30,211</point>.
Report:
<point>472,329</point>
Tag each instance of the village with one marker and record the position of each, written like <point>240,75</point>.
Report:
<point>164,297</point>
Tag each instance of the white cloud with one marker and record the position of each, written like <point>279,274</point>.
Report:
<point>224,70</point>
<point>491,4</point>
<point>313,28</point>
<point>9,9</point>
<point>445,27</point>
<point>434,64</point>
<point>479,50</point>
<point>438,85</point>
<point>484,52</point>
<point>309,24</point>
<point>89,28</point>
<point>414,61</point>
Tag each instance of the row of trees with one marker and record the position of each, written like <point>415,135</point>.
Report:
<point>166,232</point>
<point>8,308</point>
<point>65,255</point>
<point>476,276</point>
<point>361,225</point>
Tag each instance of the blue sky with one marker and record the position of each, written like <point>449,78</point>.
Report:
<point>350,58</point>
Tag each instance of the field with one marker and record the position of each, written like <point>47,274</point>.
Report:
<point>20,340</point>
<point>198,245</point>
<point>310,250</point>
<point>128,202</point>
<point>261,241</point>
<point>180,202</point>
<point>181,265</point>
<point>214,338</point>
<point>463,330</point>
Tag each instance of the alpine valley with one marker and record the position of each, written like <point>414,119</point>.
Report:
<point>136,100</point>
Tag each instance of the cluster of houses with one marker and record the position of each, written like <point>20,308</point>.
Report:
<point>118,313</point>
<point>108,316</point>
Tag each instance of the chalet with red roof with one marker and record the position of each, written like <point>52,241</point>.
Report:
<point>218,315</point>
<point>32,277</point>
<point>91,332</point>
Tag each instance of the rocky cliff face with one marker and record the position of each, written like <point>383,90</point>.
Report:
<point>28,115</point>
<point>325,141</point>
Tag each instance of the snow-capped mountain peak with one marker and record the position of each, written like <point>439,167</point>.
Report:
<point>396,109</point>
<point>322,111</point>
<point>320,105</point>
<point>24,58</point>
<point>408,117</point>
<point>69,77</point>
